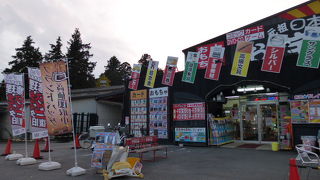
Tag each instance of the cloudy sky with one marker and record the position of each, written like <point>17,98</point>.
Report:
<point>127,28</point>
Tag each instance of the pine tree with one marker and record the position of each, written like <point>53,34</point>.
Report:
<point>55,54</point>
<point>125,70</point>
<point>116,71</point>
<point>144,60</point>
<point>26,56</point>
<point>80,68</point>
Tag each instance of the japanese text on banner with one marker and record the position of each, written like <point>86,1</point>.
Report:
<point>16,102</point>
<point>274,53</point>
<point>190,70</point>
<point>56,97</point>
<point>37,110</point>
<point>135,75</point>
<point>151,74</point>
<point>215,61</point>
<point>170,71</point>
<point>241,59</point>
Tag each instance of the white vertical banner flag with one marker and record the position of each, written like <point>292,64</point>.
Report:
<point>38,120</point>
<point>16,102</point>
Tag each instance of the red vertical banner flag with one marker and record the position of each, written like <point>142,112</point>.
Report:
<point>204,53</point>
<point>170,71</point>
<point>16,102</point>
<point>37,110</point>
<point>274,53</point>
<point>215,61</point>
<point>135,76</point>
<point>56,97</point>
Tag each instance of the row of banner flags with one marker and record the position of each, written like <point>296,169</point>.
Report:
<point>50,111</point>
<point>211,57</point>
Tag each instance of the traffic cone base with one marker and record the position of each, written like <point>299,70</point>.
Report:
<point>8,148</point>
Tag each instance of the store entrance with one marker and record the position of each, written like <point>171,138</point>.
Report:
<point>259,122</point>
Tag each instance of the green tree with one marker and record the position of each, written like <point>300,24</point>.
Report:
<point>117,71</point>
<point>125,70</point>
<point>55,53</point>
<point>80,68</point>
<point>26,56</point>
<point>144,60</point>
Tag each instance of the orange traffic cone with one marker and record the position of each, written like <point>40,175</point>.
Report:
<point>8,148</point>
<point>77,142</point>
<point>294,174</point>
<point>46,148</point>
<point>36,150</point>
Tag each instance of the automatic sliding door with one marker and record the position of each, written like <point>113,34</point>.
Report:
<point>250,123</point>
<point>269,127</point>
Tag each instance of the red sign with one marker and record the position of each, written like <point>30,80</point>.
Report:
<point>37,107</point>
<point>168,76</point>
<point>213,69</point>
<point>191,111</point>
<point>204,52</point>
<point>133,84</point>
<point>273,59</point>
<point>16,102</point>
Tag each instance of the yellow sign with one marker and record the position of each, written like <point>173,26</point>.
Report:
<point>103,81</point>
<point>241,59</point>
<point>151,74</point>
<point>140,94</point>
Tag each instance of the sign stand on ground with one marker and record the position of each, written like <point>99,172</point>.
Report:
<point>50,165</point>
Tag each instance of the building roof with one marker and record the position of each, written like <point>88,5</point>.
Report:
<point>301,10</point>
<point>97,92</point>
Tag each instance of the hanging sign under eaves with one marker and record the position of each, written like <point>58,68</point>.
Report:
<point>310,51</point>
<point>274,53</point>
<point>241,59</point>
<point>190,70</point>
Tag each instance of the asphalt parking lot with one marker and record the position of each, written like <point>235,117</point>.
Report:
<point>201,163</point>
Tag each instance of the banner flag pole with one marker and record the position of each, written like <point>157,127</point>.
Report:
<point>26,160</point>
<point>75,171</point>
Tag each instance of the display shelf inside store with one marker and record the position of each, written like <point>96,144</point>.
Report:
<point>221,131</point>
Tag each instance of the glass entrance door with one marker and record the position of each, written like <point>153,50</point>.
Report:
<point>250,123</point>
<point>259,122</point>
<point>269,127</point>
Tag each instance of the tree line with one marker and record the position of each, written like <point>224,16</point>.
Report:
<point>78,57</point>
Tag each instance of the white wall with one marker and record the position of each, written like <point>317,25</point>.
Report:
<point>84,106</point>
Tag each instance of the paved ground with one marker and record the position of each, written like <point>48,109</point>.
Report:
<point>194,163</point>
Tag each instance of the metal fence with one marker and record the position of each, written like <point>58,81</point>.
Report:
<point>83,121</point>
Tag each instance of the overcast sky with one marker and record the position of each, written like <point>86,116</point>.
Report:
<point>127,28</point>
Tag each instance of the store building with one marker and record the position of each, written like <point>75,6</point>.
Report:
<point>267,77</point>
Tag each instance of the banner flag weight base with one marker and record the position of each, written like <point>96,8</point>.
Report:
<point>26,161</point>
<point>76,171</point>
<point>48,166</point>
<point>13,157</point>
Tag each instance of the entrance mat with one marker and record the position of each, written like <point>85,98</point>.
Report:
<point>249,146</point>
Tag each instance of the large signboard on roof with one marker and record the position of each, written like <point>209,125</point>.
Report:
<point>248,34</point>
